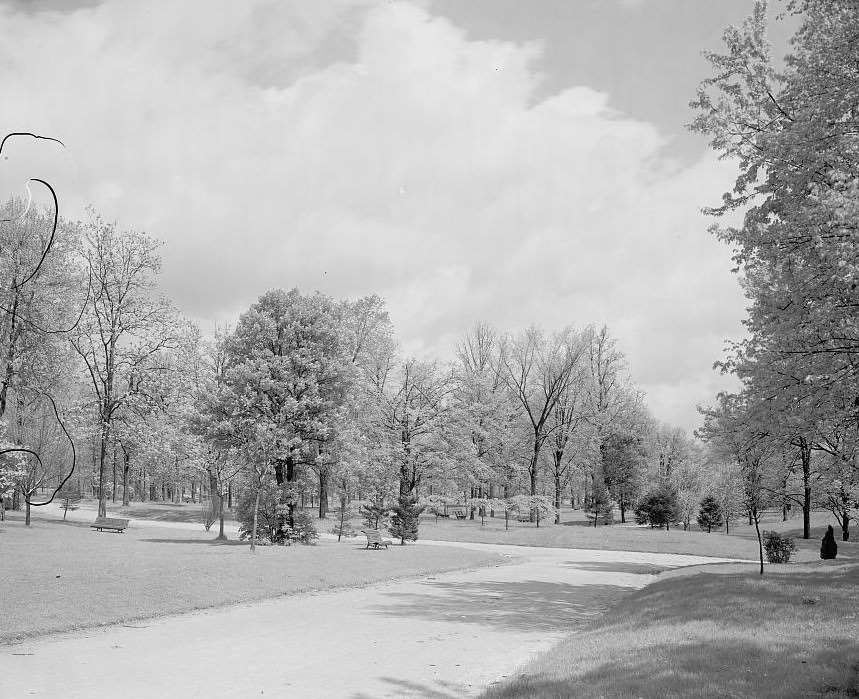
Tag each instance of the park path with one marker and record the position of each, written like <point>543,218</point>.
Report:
<point>441,637</point>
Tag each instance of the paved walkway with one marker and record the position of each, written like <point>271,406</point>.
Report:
<point>442,637</point>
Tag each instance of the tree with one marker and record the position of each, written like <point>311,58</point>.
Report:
<point>710,514</point>
<point>124,324</point>
<point>622,458</point>
<point>405,518</point>
<point>538,371</point>
<point>412,432</point>
<point>285,365</point>
<point>38,305</point>
<point>599,506</point>
<point>732,428</point>
<point>792,133</point>
<point>658,508</point>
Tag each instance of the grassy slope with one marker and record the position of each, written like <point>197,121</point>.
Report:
<point>58,576</point>
<point>792,633</point>
<point>574,533</point>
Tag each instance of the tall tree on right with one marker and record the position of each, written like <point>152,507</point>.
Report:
<point>792,133</point>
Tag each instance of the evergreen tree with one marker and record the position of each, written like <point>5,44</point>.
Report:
<point>710,514</point>
<point>599,507</point>
<point>374,513</point>
<point>658,508</point>
<point>404,520</point>
<point>343,526</point>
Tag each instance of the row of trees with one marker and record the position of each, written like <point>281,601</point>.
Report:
<point>792,430</point>
<point>104,385</point>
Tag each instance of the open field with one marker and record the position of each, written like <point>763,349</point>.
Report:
<point>574,532</point>
<point>58,576</point>
<point>792,633</point>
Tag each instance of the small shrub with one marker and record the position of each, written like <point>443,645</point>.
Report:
<point>208,514</point>
<point>778,548</point>
<point>343,525</point>
<point>303,530</point>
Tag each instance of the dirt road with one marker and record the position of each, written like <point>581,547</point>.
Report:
<point>442,637</point>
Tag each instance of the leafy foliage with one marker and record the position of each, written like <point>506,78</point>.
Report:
<point>779,549</point>
<point>658,508</point>
<point>405,518</point>
<point>710,514</point>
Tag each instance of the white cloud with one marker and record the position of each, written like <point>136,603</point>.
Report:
<point>362,147</point>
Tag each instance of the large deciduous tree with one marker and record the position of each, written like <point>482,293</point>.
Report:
<point>539,370</point>
<point>125,325</point>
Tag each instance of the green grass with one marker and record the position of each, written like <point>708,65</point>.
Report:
<point>792,633</point>
<point>574,532</point>
<point>58,576</point>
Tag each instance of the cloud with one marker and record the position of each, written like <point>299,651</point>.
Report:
<point>360,147</point>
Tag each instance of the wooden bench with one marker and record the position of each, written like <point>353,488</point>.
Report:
<point>460,514</point>
<point>375,540</point>
<point>112,523</point>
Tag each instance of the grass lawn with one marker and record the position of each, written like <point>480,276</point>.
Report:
<point>58,576</point>
<point>792,633</point>
<point>574,532</point>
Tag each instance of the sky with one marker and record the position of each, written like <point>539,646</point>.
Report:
<point>467,160</point>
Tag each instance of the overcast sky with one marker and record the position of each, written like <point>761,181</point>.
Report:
<point>467,160</point>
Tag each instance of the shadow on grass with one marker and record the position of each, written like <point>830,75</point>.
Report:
<point>704,669</point>
<point>619,567</point>
<point>525,605</point>
<point>170,513</point>
<point>788,634</point>
<point>418,690</point>
<point>203,542</point>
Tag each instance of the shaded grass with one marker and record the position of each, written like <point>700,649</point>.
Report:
<point>792,633</point>
<point>574,533</point>
<point>58,576</point>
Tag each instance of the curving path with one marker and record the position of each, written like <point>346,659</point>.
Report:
<point>447,636</point>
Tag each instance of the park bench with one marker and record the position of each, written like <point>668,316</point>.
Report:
<point>113,523</point>
<point>375,540</point>
<point>459,514</point>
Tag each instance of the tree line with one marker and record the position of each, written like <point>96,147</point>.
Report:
<point>792,429</point>
<point>306,399</point>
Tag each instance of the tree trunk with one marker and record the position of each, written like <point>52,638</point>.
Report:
<point>126,466</point>
<point>323,493</point>
<point>622,505</point>
<point>760,541</point>
<point>102,503</point>
<point>256,515</point>
<point>805,456</point>
<point>113,483</point>
<point>845,527</point>
<point>27,508</point>
<point>557,494</point>
<point>221,535</point>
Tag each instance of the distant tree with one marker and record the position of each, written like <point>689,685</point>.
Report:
<point>539,371</point>
<point>710,514</point>
<point>124,325</point>
<point>374,513</point>
<point>658,508</point>
<point>405,518</point>
<point>343,525</point>
<point>622,460</point>
<point>599,507</point>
